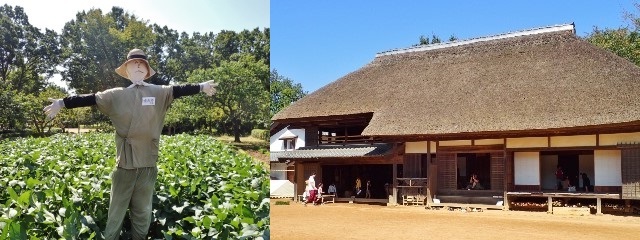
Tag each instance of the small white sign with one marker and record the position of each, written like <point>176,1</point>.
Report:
<point>148,101</point>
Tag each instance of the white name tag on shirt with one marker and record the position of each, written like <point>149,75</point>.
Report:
<point>148,101</point>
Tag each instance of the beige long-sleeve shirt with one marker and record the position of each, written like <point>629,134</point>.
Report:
<point>137,114</point>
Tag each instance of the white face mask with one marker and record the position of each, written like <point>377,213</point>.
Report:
<point>137,71</point>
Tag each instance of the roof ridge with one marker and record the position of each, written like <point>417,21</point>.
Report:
<point>532,31</point>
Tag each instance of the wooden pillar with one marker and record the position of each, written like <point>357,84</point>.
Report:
<point>295,182</point>
<point>505,202</point>
<point>394,198</point>
<point>598,206</point>
<point>550,205</point>
<point>300,178</point>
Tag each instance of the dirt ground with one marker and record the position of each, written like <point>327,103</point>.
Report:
<point>363,221</point>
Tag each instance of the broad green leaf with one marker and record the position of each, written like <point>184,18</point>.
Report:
<point>13,194</point>
<point>206,222</point>
<point>32,182</point>
<point>17,230</point>
<point>24,198</point>
<point>189,219</point>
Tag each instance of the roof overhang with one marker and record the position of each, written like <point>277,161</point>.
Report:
<point>337,151</point>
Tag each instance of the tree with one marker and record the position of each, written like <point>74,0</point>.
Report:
<point>283,92</point>
<point>27,56</point>
<point>10,115</point>
<point>434,39</point>
<point>168,54</point>
<point>31,108</point>
<point>624,42</point>
<point>95,44</point>
<point>257,44</point>
<point>240,94</point>
<point>423,40</point>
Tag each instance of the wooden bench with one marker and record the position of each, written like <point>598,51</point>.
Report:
<point>413,200</point>
<point>326,198</point>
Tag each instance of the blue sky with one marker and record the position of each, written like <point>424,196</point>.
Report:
<point>317,42</point>
<point>189,16</point>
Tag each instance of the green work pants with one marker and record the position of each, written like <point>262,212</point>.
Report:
<point>131,188</point>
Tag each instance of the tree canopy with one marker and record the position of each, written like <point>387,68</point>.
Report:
<point>93,44</point>
<point>624,42</point>
<point>283,92</point>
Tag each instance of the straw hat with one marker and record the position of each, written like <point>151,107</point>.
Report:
<point>134,54</point>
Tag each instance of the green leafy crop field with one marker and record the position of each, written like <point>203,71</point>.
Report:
<point>58,187</point>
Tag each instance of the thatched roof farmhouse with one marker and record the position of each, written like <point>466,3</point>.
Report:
<point>527,112</point>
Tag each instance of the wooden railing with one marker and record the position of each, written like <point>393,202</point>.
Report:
<point>344,140</point>
<point>412,190</point>
<point>412,182</point>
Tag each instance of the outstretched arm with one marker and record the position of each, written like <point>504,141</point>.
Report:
<point>69,102</point>
<point>207,87</point>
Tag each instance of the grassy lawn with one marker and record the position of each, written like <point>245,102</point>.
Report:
<point>257,148</point>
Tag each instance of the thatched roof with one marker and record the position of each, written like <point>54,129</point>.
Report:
<point>524,81</point>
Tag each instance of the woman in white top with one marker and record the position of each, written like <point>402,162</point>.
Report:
<point>311,185</point>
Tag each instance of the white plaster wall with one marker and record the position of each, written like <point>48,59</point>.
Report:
<point>416,147</point>
<point>548,167</point>
<point>455,143</point>
<point>277,145</point>
<point>277,171</point>
<point>573,141</point>
<point>488,141</point>
<point>527,142</point>
<point>614,139</point>
<point>607,167</point>
<point>526,168</point>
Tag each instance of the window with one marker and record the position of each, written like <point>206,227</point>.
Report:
<point>289,143</point>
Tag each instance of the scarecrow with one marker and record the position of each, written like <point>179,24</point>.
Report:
<point>137,113</point>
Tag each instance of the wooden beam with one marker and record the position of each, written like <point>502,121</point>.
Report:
<point>350,160</point>
<point>585,130</point>
<point>472,149</point>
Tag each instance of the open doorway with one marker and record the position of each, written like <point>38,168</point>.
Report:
<point>474,163</point>
<point>344,177</point>
<point>573,163</point>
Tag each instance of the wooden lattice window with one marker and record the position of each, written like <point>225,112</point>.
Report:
<point>630,163</point>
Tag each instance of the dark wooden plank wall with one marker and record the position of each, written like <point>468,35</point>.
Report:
<point>446,170</point>
<point>508,175</point>
<point>497,170</point>
<point>311,136</point>
<point>412,165</point>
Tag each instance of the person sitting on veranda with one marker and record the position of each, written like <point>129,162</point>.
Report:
<point>332,189</point>
<point>566,183</point>
<point>586,182</point>
<point>474,183</point>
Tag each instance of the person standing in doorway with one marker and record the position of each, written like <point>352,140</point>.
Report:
<point>586,182</point>
<point>368,191</point>
<point>559,177</point>
<point>358,186</point>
